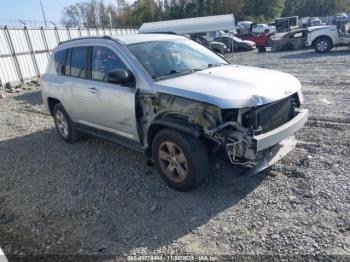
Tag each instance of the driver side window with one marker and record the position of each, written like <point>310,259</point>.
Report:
<point>103,61</point>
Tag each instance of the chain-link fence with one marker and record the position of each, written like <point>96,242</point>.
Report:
<point>24,52</point>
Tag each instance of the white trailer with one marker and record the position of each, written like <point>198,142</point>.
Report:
<point>191,25</point>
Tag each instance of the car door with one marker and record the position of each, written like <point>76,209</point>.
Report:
<point>114,104</point>
<point>82,97</point>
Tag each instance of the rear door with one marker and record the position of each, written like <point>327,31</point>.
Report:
<point>83,95</point>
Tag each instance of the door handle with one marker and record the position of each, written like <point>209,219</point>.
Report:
<point>94,90</point>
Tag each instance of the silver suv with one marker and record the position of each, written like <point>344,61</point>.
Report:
<point>173,99</point>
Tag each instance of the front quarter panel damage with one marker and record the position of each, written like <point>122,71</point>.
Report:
<point>152,107</point>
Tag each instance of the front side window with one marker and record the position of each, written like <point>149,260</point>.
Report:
<point>164,59</point>
<point>103,61</point>
<point>78,62</point>
<point>60,61</point>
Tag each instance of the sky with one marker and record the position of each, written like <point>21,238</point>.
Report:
<point>31,10</point>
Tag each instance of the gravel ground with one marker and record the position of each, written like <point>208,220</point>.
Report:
<point>97,198</point>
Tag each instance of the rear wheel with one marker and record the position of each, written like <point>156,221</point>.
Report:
<point>181,160</point>
<point>261,49</point>
<point>322,45</point>
<point>64,125</point>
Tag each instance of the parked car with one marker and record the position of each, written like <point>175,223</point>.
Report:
<point>260,40</point>
<point>244,27</point>
<point>263,29</point>
<point>2,256</point>
<point>235,44</point>
<point>215,46</point>
<point>294,40</point>
<point>341,17</point>
<point>173,99</point>
<point>324,38</point>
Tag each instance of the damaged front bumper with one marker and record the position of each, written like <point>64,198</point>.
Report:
<point>264,149</point>
<point>262,142</point>
<point>275,154</point>
<point>267,149</point>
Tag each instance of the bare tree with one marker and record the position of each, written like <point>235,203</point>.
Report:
<point>71,16</point>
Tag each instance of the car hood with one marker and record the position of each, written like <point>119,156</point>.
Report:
<point>320,27</point>
<point>232,86</point>
<point>248,42</point>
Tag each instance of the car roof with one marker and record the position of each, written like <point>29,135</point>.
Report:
<point>131,38</point>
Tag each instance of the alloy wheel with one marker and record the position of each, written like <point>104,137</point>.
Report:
<point>322,46</point>
<point>62,124</point>
<point>173,161</point>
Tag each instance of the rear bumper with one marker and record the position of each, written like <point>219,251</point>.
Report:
<point>274,137</point>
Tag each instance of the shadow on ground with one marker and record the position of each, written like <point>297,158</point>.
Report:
<point>101,198</point>
<point>32,98</point>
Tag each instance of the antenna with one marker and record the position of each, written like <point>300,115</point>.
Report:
<point>43,11</point>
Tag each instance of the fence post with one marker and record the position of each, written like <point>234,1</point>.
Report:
<point>31,50</point>
<point>88,30</point>
<point>10,44</point>
<point>57,35</point>
<point>69,35</point>
<point>45,42</point>
<point>79,30</point>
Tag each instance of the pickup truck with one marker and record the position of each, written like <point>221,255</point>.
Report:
<point>324,38</point>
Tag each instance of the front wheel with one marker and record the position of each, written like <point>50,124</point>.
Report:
<point>181,160</point>
<point>322,45</point>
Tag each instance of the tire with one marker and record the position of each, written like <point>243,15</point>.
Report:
<point>322,45</point>
<point>261,49</point>
<point>173,151</point>
<point>64,125</point>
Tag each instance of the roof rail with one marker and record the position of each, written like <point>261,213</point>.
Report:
<point>161,32</point>
<point>88,37</point>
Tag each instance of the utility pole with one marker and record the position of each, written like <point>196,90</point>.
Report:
<point>43,11</point>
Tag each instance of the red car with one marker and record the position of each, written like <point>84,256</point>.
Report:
<point>260,40</point>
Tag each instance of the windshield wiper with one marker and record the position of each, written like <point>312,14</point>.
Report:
<point>173,73</point>
<point>208,66</point>
<point>186,71</point>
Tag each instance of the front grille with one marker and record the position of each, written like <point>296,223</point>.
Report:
<point>268,117</point>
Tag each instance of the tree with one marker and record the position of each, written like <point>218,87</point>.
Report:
<point>88,14</point>
<point>96,13</point>
<point>71,16</point>
<point>267,9</point>
<point>304,8</point>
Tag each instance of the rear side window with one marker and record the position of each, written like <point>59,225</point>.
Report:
<point>78,61</point>
<point>60,61</point>
<point>103,61</point>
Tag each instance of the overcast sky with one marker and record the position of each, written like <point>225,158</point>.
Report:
<point>30,9</point>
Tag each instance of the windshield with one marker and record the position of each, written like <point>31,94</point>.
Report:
<point>164,59</point>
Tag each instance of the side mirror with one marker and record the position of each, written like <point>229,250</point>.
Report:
<point>120,76</point>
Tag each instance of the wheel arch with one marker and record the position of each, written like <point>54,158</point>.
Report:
<point>323,36</point>
<point>51,102</point>
<point>176,123</point>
